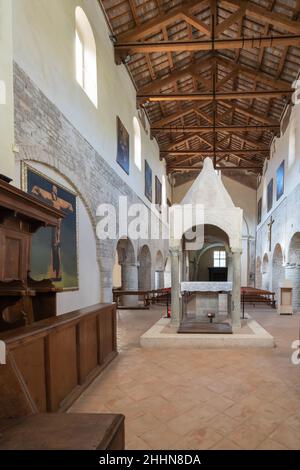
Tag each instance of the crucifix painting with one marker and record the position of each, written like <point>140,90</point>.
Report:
<point>54,250</point>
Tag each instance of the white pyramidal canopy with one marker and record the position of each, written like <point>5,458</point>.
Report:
<point>208,190</point>
<point>219,210</point>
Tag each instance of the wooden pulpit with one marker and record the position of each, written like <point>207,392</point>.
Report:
<point>22,299</point>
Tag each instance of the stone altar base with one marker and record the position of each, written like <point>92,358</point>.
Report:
<point>209,302</point>
<point>195,327</point>
<point>162,336</point>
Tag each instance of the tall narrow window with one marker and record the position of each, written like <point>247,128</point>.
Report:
<point>137,144</point>
<point>219,259</point>
<point>86,59</point>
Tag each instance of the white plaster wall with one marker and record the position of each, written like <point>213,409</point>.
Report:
<point>88,269</point>
<point>287,148</point>
<point>286,217</point>
<point>6,76</point>
<point>44,46</point>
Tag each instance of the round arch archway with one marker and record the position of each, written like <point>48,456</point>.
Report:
<point>293,268</point>
<point>266,272</point>
<point>125,273</point>
<point>159,270</point>
<point>278,271</point>
<point>258,273</point>
<point>144,271</point>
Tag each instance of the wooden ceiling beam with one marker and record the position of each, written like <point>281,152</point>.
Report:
<point>250,113</point>
<point>206,129</point>
<point>196,23</point>
<point>252,73</point>
<point>199,168</point>
<point>217,151</point>
<point>187,139</point>
<point>234,95</point>
<point>265,16</point>
<point>233,18</point>
<point>191,70</point>
<point>126,49</point>
<point>161,21</point>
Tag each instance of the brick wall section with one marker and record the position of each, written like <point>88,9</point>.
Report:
<point>44,135</point>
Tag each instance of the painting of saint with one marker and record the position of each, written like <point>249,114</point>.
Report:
<point>123,146</point>
<point>280,181</point>
<point>148,181</point>
<point>54,250</point>
<point>158,192</point>
<point>259,206</point>
<point>270,195</point>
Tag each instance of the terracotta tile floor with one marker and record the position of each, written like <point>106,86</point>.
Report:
<point>202,399</point>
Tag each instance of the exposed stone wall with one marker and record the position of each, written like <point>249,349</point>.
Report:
<point>44,135</point>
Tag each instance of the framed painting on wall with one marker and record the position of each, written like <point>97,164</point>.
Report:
<point>259,206</point>
<point>270,195</point>
<point>158,192</point>
<point>54,250</point>
<point>122,146</point>
<point>148,181</point>
<point>280,181</point>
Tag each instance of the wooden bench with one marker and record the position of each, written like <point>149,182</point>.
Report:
<point>253,296</point>
<point>60,431</point>
<point>48,365</point>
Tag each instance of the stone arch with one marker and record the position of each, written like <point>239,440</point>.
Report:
<point>258,273</point>
<point>159,270</point>
<point>266,272</point>
<point>278,271</point>
<point>293,268</point>
<point>144,270</point>
<point>201,259</point>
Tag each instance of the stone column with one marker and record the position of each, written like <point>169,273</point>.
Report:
<point>159,279</point>
<point>129,282</point>
<point>230,267</point>
<point>175,291</point>
<point>236,289</point>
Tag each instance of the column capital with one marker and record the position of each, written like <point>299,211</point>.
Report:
<point>175,250</point>
<point>236,251</point>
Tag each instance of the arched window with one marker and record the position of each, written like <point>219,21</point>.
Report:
<point>86,60</point>
<point>137,144</point>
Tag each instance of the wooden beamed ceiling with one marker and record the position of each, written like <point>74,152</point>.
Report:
<point>213,76</point>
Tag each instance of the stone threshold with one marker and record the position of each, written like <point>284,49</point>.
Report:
<point>158,337</point>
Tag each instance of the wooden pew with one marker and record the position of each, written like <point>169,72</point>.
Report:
<point>254,296</point>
